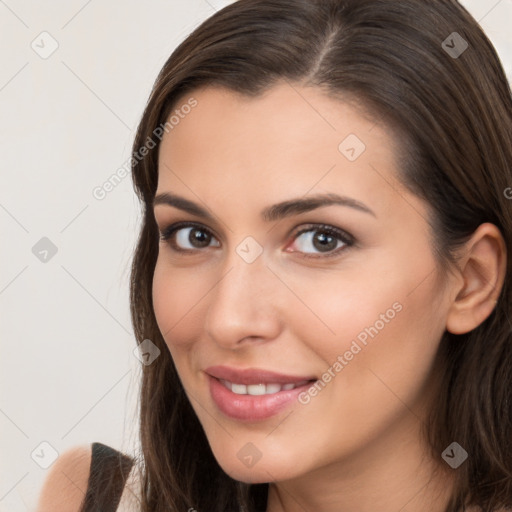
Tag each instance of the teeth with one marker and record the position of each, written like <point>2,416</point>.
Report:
<point>239,389</point>
<point>273,388</point>
<point>259,389</point>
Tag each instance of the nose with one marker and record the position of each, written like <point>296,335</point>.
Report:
<point>245,304</point>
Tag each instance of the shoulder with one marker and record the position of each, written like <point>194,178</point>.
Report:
<point>65,485</point>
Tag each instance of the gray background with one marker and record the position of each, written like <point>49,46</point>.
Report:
<point>68,374</point>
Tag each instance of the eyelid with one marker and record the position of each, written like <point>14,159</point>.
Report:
<point>170,229</point>
<point>340,234</point>
<point>328,228</point>
<point>346,238</point>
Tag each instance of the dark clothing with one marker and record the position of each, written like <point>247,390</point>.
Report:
<point>107,477</point>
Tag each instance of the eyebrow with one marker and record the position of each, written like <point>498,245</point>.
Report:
<point>271,213</point>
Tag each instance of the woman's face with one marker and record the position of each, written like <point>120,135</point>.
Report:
<point>346,294</point>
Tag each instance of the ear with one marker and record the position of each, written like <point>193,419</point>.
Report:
<point>482,269</point>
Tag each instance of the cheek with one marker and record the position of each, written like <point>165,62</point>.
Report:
<point>176,302</point>
<point>389,380</point>
<point>377,332</point>
<point>376,369</point>
<point>339,307</point>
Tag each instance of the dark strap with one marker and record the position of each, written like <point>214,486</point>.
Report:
<point>107,477</point>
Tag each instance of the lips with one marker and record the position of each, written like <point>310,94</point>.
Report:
<point>254,394</point>
<point>253,376</point>
<point>252,408</point>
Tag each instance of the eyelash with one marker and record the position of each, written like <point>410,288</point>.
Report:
<point>337,233</point>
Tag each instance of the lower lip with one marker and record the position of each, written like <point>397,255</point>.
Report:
<point>252,407</point>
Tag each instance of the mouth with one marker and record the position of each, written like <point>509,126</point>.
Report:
<point>253,395</point>
<point>261,388</point>
<point>253,376</point>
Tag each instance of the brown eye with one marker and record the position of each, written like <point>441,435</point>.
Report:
<point>326,241</point>
<point>187,237</point>
<point>323,239</point>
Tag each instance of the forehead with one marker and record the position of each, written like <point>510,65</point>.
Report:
<point>285,142</point>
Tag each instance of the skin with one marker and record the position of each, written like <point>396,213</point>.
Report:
<point>356,443</point>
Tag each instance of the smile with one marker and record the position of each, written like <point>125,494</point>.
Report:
<point>260,389</point>
<point>254,402</point>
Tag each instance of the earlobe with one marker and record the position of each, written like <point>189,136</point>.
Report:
<point>482,269</point>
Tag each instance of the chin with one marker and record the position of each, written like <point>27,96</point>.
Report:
<point>249,477</point>
<point>262,471</point>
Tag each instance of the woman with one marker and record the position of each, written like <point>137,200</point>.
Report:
<point>324,264</point>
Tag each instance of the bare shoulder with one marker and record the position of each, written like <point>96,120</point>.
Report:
<point>66,483</point>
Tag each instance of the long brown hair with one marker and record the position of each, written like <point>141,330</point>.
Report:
<point>453,114</point>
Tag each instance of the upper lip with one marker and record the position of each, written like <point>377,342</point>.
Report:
<point>254,376</point>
